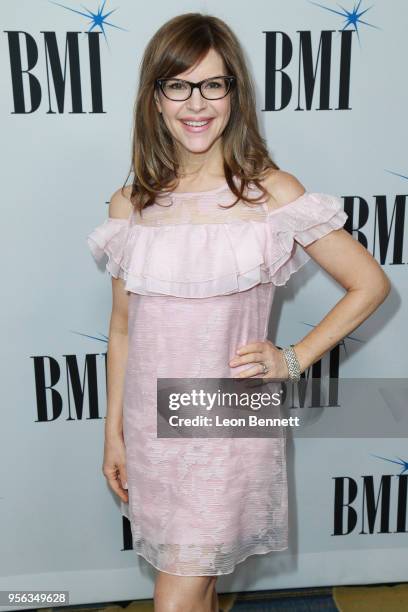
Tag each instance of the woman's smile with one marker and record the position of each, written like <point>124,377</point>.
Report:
<point>196,126</point>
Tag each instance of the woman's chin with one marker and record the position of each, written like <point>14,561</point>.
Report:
<point>198,145</point>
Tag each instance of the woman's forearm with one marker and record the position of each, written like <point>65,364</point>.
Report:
<point>349,312</point>
<point>116,366</point>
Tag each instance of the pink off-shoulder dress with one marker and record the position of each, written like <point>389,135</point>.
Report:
<point>201,280</point>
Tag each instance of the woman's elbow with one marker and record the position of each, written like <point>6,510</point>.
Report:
<point>382,286</point>
<point>375,289</point>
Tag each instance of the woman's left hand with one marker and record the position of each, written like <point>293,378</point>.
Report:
<point>257,353</point>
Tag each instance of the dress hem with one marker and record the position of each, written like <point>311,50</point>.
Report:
<point>260,552</point>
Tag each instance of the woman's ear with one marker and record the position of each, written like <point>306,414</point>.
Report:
<point>156,100</point>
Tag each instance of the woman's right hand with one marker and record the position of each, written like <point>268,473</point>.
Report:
<point>114,465</point>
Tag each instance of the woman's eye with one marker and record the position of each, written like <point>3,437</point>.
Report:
<point>177,85</point>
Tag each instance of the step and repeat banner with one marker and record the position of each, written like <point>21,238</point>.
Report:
<point>331,93</point>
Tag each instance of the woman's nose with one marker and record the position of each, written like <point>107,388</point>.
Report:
<point>196,101</point>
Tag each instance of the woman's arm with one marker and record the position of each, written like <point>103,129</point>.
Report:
<point>114,460</point>
<point>367,286</point>
<point>116,357</point>
<point>351,265</point>
<point>119,207</point>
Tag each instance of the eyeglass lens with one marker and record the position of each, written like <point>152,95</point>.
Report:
<point>211,89</point>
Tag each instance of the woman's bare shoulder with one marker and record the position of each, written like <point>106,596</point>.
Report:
<point>283,187</point>
<point>120,205</point>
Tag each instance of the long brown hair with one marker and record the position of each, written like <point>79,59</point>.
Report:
<point>178,45</point>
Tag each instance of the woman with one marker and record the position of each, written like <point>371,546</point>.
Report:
<point>196,246</point>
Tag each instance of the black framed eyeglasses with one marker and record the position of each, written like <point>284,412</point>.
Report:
<point>213,88</point>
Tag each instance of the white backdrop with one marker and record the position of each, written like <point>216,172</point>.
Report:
<point>61,528</point>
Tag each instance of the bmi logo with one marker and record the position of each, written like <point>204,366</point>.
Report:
<point>64,68</point>
<point>372,504</point>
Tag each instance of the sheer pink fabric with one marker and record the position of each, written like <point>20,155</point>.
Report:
<point>201,282</point>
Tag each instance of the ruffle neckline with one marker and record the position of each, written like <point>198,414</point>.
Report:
<point>209,259</point>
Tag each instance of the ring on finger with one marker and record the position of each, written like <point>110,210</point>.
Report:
<point>265,369</point>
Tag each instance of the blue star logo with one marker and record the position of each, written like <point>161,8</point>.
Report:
<point>396,174</point>
<point>400,461</point>
<point>103,338</point>
<point>98,19</point>
<point>351,18</point>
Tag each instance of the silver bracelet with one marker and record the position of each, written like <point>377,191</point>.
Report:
<point>292,363</point>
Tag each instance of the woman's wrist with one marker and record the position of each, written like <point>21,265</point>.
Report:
<point>292,366</point>
<point>302,355</point>
<point>295,360</point>
<point>113,428</point>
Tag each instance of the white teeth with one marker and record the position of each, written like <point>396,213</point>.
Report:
<point>196,123</point>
